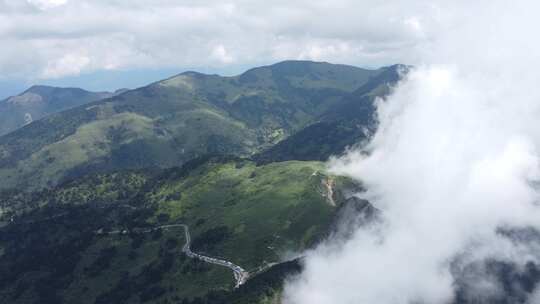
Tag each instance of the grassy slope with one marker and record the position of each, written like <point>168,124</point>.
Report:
<point>248,214</point>
<point>170,122</point>
<point>266,211</point>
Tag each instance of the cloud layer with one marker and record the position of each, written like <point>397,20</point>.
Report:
<point>454,162</point>
<point>56,38</point>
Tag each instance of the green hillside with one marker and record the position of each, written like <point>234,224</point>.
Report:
<point>347,123</point>
<point>63,245</point>
<point>159,194</point>
<point>172,121</point>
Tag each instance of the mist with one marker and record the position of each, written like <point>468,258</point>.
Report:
<point>453,168</point>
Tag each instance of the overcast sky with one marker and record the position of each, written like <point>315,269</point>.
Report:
<point>114,43</point>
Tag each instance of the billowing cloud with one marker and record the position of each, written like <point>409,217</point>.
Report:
<point>36,34</point>
<point>453,167</point>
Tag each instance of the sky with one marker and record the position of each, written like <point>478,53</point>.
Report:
<point>110,44</point>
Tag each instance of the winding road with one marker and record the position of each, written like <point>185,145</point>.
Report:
<point>240,274</point>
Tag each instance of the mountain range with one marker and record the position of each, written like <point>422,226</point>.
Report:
<point>160,194</point>
<point>172,121</point>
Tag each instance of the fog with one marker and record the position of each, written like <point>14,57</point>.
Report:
<point>453,167</point>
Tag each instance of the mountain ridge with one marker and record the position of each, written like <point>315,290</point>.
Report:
<point>39,101</point>
<point>177,119</point>
<point>97,191</point>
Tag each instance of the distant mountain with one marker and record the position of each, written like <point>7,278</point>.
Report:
<point>39,101</point>
<point>348,123</point>
<point>178,119</point>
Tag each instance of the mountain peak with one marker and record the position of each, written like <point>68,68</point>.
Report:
<point>46,89</point>
<point>298,62</point>
<point>39,87</point>
<point>194,74</point>
<point>288,64</point>
<point>39,101</point>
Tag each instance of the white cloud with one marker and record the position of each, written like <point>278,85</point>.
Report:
<point>166,33</point>
<point>69,64</point>
<point>415,25</point>
<point>321,51</point>
<point>456,157</point>
<point>220,54</point>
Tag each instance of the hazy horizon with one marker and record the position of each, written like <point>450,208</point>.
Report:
<point>51,42</point>
<point>110,81</point>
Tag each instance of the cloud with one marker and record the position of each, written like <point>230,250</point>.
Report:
<point>220,54</point>
<point>69,64</point>
<point>454,162</point>
<point>47,4</point>
<point>165,33</point>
